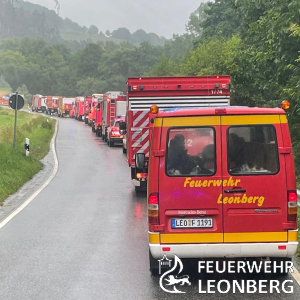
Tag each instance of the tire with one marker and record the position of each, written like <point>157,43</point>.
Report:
<point>124,150</point>
<point>153,265</point>
<point>110,143</point>
<point>93,129</point>
<point>138,189</point>
<point>32,109</point>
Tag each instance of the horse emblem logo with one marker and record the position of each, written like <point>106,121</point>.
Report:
<point>171,280</point>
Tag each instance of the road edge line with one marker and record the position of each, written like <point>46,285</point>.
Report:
<point>21,207</point>
<point>296,275</point>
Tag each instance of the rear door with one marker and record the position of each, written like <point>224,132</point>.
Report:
<point>254,179</point>
<point>190,180</point>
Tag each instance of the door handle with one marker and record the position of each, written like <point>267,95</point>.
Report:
<point>234,191</point>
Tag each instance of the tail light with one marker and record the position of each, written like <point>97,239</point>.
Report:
<point>141,175</point>
<point>153,209</point>
<point>292,206</point>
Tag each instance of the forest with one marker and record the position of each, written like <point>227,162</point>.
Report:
<point>256,42</point>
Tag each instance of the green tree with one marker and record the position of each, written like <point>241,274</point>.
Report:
<point>89,86</point>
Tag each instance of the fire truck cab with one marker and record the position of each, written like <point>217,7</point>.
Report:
<point>221,185</point>
<point>113,132</point>
<point>112,105</point>
<point>96,112</point>
<point>65,106</point>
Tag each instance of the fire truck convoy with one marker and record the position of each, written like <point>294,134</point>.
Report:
<point>38,103</point>
<point>113,105</point>
<point>64,106</point>
<point>168,93</point>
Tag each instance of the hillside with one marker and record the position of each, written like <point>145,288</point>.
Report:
<point>38,21</point>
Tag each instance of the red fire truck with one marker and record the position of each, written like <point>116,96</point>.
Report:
<point>51,104</point>
<point>113,132</point>
<point>87,108</point>
<point>168,93</point>
<point>222,185</point>
<point>5,99</point>
<point>92,114</point>
<point>64,106</point>
<point>96,124</point>
<point>79,108</point>
<point>38,103</point>
<point>113,105</point>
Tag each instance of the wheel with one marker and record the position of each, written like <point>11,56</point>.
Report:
<point>110,143</point>
<point>31,108</point>
<point>153,264</point>
<point>85,120</point>
<point>93,129</point>
<point>124,150</point>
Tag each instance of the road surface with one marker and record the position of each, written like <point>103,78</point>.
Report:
<point>85,235</point>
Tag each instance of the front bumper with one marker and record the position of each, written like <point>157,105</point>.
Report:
<point>117,139</point>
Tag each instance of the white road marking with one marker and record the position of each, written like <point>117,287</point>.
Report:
<point>20,208</point>
<point>296,275</point>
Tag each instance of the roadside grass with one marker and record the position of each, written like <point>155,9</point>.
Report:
<point>15,168</point>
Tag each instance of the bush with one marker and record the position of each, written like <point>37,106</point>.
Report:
<point>7,135</point>
<point>26,128</point>
<point>46,124</point>
<point>35,123</point>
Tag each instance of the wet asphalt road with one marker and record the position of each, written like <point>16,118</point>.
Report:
<point>85,235</point>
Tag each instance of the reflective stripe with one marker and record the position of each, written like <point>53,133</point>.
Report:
<point>244,237</point>
<point>190,238</point>
<point>189,121</point>
<point>292,235</point>
<point>153,238</point>
<point>253,119</point>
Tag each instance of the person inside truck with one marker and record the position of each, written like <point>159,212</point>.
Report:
<point>179,162</point>
<point>252,149</point>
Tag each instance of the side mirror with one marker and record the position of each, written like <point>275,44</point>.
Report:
<point>140,160</point>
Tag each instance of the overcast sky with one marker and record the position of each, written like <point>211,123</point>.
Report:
<point>163,17</point>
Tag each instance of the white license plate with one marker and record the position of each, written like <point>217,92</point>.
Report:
<point>192,223</point>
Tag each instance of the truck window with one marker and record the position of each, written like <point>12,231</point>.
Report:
<point>191,151</point>
<point>252,150</point>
